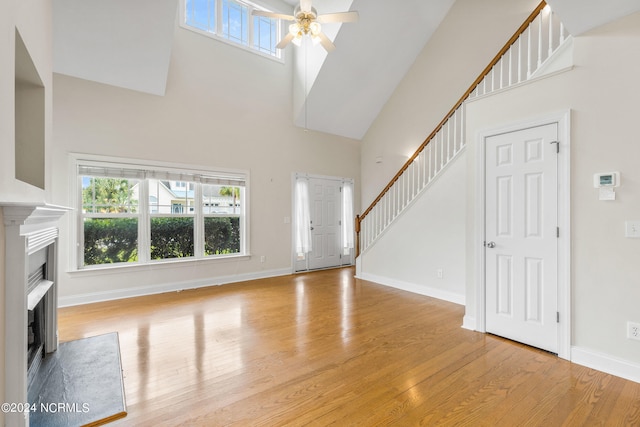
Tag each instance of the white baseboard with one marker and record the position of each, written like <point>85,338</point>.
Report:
<point>412,287</point>
<point>606,363</point>
<point>469,322</point>
<point>68,301</point>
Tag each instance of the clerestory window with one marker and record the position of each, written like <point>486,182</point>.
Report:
<point>138,214</point>
<point>231,21</point>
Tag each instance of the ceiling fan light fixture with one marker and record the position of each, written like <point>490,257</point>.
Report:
<point>294,30</point>
<point>315,28</point>
<point>307,22</point>
<point>314,31</point>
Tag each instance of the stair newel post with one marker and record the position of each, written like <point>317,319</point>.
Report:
<point>357,229</point>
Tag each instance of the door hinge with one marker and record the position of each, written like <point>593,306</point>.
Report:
<point>340,222</point>
<point>557,317</point>
<point>557,145</point>
<point>558,232</point>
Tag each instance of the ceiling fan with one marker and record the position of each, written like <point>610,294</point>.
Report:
<point>307,22</point>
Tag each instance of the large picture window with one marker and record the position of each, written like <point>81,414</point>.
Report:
<point>137,214</point>
<point>231,20</point>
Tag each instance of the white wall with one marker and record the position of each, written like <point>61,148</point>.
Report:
<point>602,93</point>
<point>427,237</point>
<point>224,107</point>
<point>32,18</point>
<point>462,46</point>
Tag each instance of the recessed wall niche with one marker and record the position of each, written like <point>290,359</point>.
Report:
<point>29,118</point>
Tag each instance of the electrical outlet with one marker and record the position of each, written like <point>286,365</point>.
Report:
<point>632,229</point>
<point>263,258</point>
<point>633,331</point>
<point>439,273</point>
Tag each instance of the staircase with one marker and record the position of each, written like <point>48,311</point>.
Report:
<point>524,57</point>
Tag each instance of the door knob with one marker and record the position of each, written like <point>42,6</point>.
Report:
<point>491,245</point>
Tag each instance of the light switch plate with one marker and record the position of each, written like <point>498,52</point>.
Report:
<point>632,229</point>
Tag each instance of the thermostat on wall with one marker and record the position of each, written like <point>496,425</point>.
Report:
<point>605,182</point>
<point>609,179</point>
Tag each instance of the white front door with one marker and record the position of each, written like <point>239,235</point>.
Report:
<point>521,230</point>
<point>326,211</point>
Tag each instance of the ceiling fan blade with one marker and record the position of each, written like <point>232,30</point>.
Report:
<point>285,41</point>
<point>256,12</point>
<point>305,5</point>
<point>338,17</point>
<point>326,43</point>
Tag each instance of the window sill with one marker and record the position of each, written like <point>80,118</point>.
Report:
<point>164,264</point>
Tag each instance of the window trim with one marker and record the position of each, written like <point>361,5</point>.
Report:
<point>144,215</point>
<point>250,37</point>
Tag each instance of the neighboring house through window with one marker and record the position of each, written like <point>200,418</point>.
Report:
<point>135,213</point>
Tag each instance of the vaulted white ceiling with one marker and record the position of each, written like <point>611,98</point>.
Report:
<point>128,44</point>
<point>371,58</point>
<point>117,42</point>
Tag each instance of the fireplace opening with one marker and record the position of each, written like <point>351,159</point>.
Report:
<point>35,339</point>
<point>38,288</point>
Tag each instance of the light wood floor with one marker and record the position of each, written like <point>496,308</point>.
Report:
<point>326,349</point>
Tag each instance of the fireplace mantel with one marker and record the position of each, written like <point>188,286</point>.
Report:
<point>28,229</point>
<point>32,215</point>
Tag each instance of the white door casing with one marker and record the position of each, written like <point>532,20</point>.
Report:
<point>521,235</point>
<point>328,204</point>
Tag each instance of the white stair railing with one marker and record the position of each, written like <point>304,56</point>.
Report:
<point>527,52</point>
<point>526,56</point>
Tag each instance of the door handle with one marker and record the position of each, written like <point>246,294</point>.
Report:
<point>311,228</point>
<point>491,245</point>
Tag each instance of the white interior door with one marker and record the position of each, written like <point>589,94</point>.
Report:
<point>521,248</point>
<point>326,211</point>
